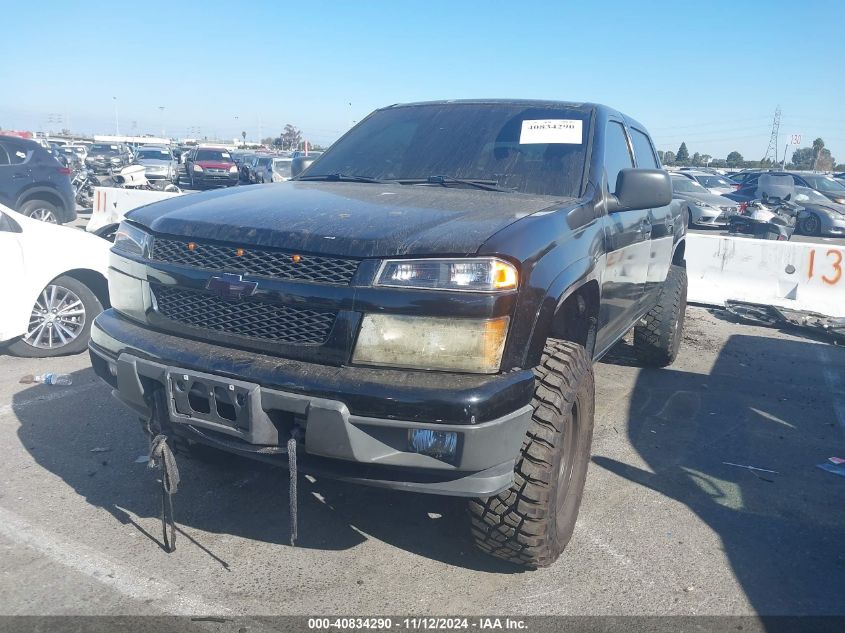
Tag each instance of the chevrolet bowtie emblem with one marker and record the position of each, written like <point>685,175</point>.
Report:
<point>231,287</point>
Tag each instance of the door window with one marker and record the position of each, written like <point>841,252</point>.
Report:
<point>617,154</point>
<point>643,150</point>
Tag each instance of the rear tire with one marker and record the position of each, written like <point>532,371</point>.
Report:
<point>811,225</point>
<point>657,340</point>
<point>41,210</point>
<point>531,523</point>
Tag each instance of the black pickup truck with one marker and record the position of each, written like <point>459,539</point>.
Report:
<point>419,309</point>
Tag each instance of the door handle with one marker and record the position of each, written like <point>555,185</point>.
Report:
<point>19,175</point>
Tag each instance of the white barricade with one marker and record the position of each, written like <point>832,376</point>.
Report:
<point>112,203</point>
<point>800,276</point>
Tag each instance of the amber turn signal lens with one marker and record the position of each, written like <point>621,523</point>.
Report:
<point>296,258</point>
<point>192,246</point>
<point>239,252</point>
<point>504,275</point>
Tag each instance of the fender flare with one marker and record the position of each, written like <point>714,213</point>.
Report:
<point>573,277</point>
<point>34,190</point>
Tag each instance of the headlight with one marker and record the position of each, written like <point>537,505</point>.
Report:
<point>480,274</point>
<point>446,344</point>
<point>700,203</point>
<point>127,295</point>
<point>197,168</point>
<point>839,200</point>
<point>233,169</point>
<point>132,240</point>
<point>115,159</point>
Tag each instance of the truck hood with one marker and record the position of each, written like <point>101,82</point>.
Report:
<point>351,219</point>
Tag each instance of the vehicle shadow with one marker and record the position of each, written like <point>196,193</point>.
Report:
<point>233,496</point>
<point>770,404</point>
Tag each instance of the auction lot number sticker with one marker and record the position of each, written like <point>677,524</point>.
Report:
<point>417,624</point>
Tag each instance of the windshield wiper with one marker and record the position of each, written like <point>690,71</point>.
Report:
<point>340,178</point>
<point>486,185</point>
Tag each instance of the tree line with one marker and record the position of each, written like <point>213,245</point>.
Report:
<point>290,138</point>
<point>817,157</point>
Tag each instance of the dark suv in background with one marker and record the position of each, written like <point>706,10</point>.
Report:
<point>103,157</point>
<point>34,183</point>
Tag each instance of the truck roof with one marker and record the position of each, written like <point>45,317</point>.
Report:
<point>536,103</point>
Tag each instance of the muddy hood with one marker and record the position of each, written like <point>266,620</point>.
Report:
<point>352,219</point>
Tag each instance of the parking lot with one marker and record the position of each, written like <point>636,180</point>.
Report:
<point>666,526</point>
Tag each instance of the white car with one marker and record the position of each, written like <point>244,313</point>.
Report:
<point>53,283</point>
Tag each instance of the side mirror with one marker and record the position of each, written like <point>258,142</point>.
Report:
<point>300,164</point>
<point>641,189</point>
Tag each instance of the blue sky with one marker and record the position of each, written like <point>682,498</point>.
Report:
<point>710,73</point>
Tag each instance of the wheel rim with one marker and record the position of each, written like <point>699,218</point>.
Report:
<point>812,224</point>
<point>57,319</point>
<point>567,460</point>
<point>44,215</point>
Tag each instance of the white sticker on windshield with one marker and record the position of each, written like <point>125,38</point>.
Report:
<point>567,131</point>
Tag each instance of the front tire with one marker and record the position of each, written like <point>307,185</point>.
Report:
<point>60,322</point>
<point>531,522</point>
<point>657,340</point>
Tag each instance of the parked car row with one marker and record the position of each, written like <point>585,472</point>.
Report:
<point>712,198</point>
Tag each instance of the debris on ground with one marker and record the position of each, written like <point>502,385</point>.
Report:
<point>753,468</point>
<point>142,459</point>
<point>99,449</point>
<point>835,465</point>
<point>832,328</point>
<point>62,380</point>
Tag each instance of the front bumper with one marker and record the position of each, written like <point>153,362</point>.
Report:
<point>214,179</point>
<point>158,175</point>
<point>334,407</point>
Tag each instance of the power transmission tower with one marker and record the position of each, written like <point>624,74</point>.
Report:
<point>772,150</point>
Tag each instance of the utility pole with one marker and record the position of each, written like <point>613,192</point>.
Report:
<point>161,109</point>
<point>772,149</point>
<point>116,119</point>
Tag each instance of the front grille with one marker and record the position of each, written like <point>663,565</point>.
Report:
<point>255,261</point>
<point>251,319</point>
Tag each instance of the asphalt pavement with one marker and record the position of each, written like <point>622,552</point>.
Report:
<point>666,526</point>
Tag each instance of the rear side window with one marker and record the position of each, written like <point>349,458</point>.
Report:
<point>4,156</point>
<point>15,154</point>
<point>643,150</point>
<point>617,155</point>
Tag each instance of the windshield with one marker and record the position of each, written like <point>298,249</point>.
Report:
<point>156,154</point>
<point>101,148</point>
<point>687,185</point>
<point>263,162</point>
<point>805,194</point>
<point>213,154</point>
<point>532,150</point>
<point>715,181</point>
<point>825,183</point>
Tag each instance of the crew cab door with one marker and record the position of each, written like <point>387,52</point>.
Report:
<point>627,250</point>
<point>660,223</point>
